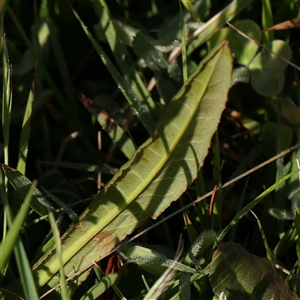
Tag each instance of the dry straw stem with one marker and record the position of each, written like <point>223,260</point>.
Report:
<point>294,23</point>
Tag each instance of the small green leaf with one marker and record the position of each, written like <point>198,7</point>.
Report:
<point>267,69</point>
<point>242,49</point>
<point>240,74</point>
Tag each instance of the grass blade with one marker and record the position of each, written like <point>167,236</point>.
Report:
<point>253,203</point>
<point>62,278</point>
<point>6,96</point>
<point>143,109</point>
<point>25,132</point>
<point>183,44</point>
<point>22,184</point>
<point>8,243</point>
<point>24,267</point>
<point>267,22</point>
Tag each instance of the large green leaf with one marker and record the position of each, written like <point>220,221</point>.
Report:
<point>159,172</point>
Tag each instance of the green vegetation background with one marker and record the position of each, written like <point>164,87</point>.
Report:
<point>253,127</point>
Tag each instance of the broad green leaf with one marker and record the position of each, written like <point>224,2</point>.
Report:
<point>159,172</point>
<point>267,69</point>
<point>242,49</point>
<point>241,275</point>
